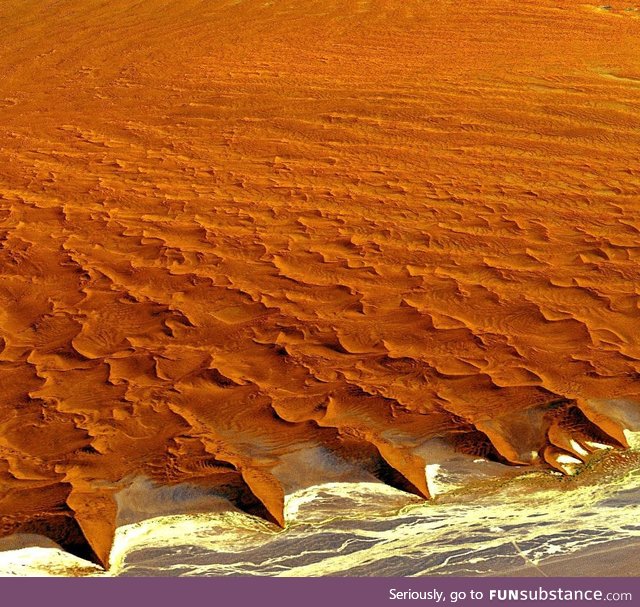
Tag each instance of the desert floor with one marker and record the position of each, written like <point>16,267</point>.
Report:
<point>253,247</point>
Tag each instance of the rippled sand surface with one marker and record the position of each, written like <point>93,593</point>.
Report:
<point>254,247</point>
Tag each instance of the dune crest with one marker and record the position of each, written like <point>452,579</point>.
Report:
<point>405,235</point>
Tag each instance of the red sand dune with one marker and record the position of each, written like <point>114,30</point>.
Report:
<point>235,229</point>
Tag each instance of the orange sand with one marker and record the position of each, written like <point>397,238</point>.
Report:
<point>233,229</point>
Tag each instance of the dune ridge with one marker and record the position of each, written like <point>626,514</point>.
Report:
<point>233,231</point>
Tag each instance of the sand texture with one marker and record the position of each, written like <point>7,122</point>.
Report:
<point>254,245</point>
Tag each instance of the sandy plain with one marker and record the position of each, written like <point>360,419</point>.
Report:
<point>398,238</point>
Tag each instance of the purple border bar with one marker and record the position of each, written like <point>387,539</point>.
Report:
<point>308,592</point>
